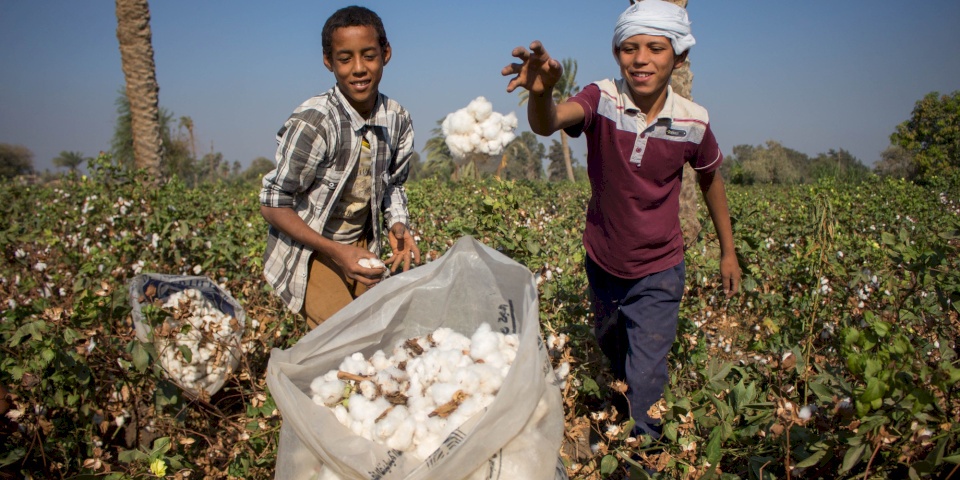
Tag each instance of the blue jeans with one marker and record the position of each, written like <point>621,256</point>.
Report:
<point>635,322</point>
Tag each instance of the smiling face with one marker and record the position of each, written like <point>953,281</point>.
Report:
<point>356,60</point>
<point>646,63</point>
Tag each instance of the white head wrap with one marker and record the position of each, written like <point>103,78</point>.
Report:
<point>655,17</point>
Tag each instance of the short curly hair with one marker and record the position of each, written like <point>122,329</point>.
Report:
<point>353,16</point>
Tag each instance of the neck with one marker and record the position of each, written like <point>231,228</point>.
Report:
<point>651,105</point>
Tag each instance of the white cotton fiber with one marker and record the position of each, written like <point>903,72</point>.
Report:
<point>380,361</point>
<point>483,343</point>
<point>212,337</point>
<point>397,402</point>
<point>327,392</point>
<point>476,128</point>
<point>480,108</point>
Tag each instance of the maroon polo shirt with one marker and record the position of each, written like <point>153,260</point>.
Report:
<point>633,224</point>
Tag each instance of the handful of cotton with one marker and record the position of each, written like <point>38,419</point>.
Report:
<point>476,128</point>
<point>371,263</point>
<point>198,344</point>
<point>419,393</point>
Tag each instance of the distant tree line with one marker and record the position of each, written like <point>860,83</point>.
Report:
<point>774,163</point>
<point>924,146</point>
<point>178,156</point>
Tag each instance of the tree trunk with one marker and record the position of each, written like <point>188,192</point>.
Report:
<point>682,84</point>
<point>568,162</point>
<point>139,71</point>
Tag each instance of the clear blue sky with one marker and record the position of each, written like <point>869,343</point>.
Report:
<point>813,75</point>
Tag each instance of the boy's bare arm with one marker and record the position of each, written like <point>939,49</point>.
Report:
<point>346,256</point>
<point>538,74</point>
<point>715,196</point>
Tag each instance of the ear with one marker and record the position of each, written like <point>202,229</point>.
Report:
<point>679,60</point>
<point>327,63</point>
<point>387,53</point>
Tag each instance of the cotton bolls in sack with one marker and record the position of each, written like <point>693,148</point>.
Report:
<point>427,387</point>
<point>198,345</point>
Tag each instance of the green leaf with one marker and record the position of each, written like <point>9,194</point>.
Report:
<point>13,456</point>
<point>589,386</point>
<point>823,392</point>
<point>713,449</point>
<point>33,330</point>
<point>852,457</point>
<point>130,456</point>
<point>670,431</point>
<point>186,352</point>
<point>873,391</point>
<point>48,355</point>
<point>141,360</point>
<point>812,459</point>
<point>608,465</point>
<point>160,447</point>
<point>533,247</point>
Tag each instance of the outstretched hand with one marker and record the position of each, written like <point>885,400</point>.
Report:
<point>405,250</point>
<point>536,72</point>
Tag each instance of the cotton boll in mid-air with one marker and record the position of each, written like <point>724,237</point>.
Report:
<point>478,129</point>
<point>509,122</point>
<point>480,108</point>
<point>491,127</point>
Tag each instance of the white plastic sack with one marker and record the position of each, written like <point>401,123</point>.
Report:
<point>517,437</point>
<point>228,348</point>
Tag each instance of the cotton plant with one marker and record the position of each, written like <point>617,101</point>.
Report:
<point>414,395</point>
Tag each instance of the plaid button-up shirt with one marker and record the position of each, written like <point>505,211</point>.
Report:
<point>318,147</point>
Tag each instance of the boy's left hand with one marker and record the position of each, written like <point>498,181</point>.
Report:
<point>730,275</point>
<point>405,250</point>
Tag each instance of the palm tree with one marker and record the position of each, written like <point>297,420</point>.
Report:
<point>682,84</point>
<point>565,88</point>
<point>69,160</point>
<point>140,74</point>
<point>522,158</point>
<point>187,122</point>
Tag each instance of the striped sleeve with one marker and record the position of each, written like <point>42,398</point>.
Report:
<point>301,149</point>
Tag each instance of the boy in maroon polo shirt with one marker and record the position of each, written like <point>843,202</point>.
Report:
<point>639,135</point>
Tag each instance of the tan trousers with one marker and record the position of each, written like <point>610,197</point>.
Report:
<point>328,289</point>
